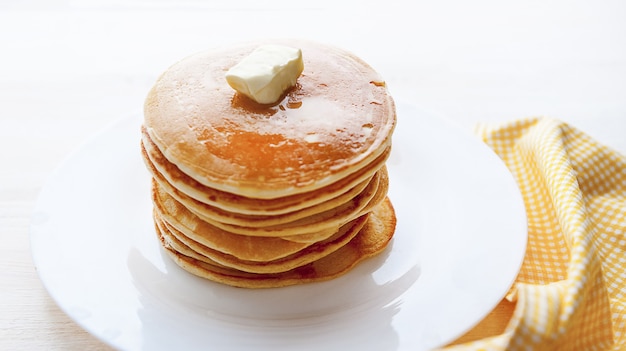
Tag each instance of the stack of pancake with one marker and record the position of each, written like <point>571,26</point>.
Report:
<point>261,196</point>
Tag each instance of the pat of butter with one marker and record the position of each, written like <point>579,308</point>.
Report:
<point>266,73</point>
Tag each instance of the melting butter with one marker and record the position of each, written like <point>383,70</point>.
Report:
<point>266,73</point>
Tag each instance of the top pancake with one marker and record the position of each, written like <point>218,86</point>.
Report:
<point>336,120</point>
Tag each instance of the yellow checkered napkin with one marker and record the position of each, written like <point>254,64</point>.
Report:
<point>571,291</point>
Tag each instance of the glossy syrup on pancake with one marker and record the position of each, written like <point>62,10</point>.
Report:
<point>337,119</point>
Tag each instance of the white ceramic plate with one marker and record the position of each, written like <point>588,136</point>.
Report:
<point>459,244</point>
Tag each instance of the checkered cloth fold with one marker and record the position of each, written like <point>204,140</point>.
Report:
<point>571,291</point>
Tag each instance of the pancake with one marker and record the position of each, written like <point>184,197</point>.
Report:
<point>303,224</point>
<point>188,247</point>
<point>253,248</point>
<point>371,240</point>
<point>336,120</point>
<point>209,212</point>
<point>332,219</point>
<point>164,171</point>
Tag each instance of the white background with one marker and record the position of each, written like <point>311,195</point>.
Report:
<point>69,68</point>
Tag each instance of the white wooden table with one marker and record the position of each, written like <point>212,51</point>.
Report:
<point>69,68</point>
